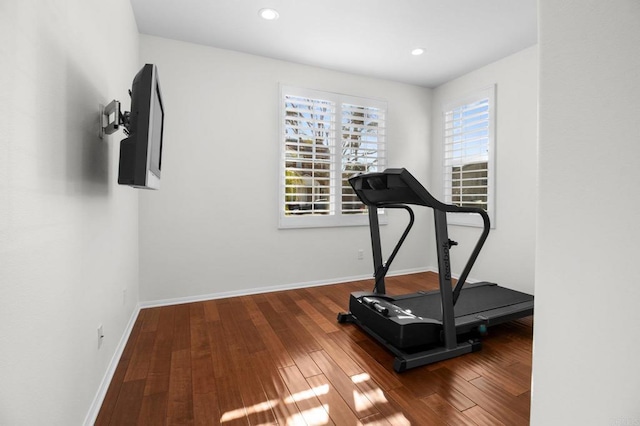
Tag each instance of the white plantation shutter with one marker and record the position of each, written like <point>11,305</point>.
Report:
<point>309,154</point>
<point>362,148</point>
<point>326,139</point>
<point>469,153</point>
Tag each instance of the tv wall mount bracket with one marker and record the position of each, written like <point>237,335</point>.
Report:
<point>112,118</point>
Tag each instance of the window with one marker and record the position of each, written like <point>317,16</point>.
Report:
<point>469,153</point>
<point>326,138</point>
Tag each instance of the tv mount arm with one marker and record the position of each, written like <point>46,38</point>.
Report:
<point>111,118</point>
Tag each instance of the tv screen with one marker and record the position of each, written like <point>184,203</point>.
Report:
<point>141,153</point>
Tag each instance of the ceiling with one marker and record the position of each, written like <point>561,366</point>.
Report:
<point>366,37</point>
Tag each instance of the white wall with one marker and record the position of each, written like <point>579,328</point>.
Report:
<point>68,233</point>
<point>509,253</point>
<point>212,228</point>
<point>587,322</point>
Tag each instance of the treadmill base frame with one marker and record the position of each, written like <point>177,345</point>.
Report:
<point>408,360</point>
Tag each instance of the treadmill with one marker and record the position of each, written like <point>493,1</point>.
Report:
<point>427,326</point>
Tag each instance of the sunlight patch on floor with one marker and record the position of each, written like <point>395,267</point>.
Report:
<point>361,402</point>
<point>359,378</point>
<point>398,419</point>
<point>376,396</point>
<point>371,398</point>
<point>316,416</point>
<point>318,390</point>
<point>319,415</point>
<point>247,411</point>
<point>313,416</point>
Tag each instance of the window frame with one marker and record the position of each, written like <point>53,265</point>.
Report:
<point>470,219</point>
<point>337,218</point>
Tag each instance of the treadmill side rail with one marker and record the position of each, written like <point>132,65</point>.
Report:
<point>408,361</point>
<point>465,324</point>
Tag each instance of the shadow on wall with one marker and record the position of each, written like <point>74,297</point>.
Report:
<point>87,155</point>
<point>72,157</point>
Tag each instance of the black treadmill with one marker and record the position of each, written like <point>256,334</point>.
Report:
<point>428,326</point>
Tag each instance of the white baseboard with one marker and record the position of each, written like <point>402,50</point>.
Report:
<point>92,415</point>
<point>258,290</point>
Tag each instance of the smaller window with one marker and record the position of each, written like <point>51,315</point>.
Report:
<point>469,155</point>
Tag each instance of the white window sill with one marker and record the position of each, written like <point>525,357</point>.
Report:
<point>296,222</point>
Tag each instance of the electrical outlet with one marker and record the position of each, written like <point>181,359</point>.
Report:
<point>360,254</point>
<point>100,335</point>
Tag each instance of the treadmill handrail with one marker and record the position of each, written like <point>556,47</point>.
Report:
<point>474,254</point>
<point>398,186</point>
<point>381,268</point>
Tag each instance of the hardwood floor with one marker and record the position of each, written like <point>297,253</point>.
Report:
<point>281,358</point>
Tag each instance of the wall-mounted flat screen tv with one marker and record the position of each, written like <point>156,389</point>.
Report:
<point>141,153</point>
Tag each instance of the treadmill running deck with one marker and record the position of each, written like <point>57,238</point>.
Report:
<point>416,319</point>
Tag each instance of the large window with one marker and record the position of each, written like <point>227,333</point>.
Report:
<point>469,152</point>
<point>325,139</point>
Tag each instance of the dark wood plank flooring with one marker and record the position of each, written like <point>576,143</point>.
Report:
<point>281,358</point>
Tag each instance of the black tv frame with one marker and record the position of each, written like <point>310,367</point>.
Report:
<point>141,153</point>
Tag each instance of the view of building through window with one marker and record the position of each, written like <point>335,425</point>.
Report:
<point>469,185</point>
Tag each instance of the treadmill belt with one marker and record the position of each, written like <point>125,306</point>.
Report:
<point>472,300</point>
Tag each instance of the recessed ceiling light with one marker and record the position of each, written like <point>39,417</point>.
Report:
<point>417,51</point>
<point>269,14</point>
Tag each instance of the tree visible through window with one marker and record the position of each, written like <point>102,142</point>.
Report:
<point>309,129</point>
<point>362,136</point>
<point>327,138</point>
